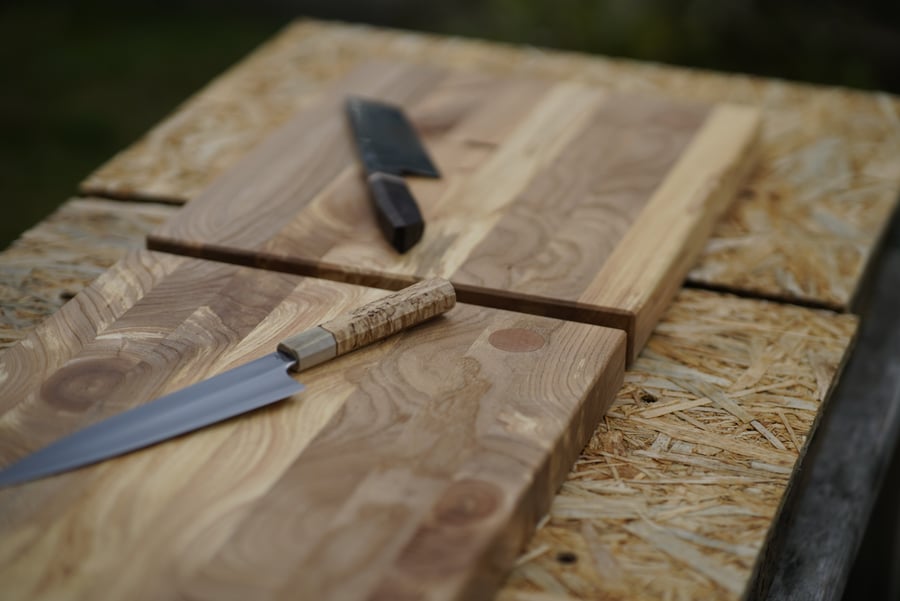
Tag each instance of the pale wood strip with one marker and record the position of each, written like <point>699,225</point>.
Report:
<point>676,221</point>
<point>574,211</point>
<point>467,212</point>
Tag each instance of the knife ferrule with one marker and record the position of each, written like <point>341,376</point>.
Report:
<point>310,347</point>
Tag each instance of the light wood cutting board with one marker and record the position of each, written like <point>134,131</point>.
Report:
<point>557,199</point>
<point>414,468</point>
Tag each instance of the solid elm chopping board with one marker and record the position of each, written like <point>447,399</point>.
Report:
<point>413,468</point>
<point>556,198</point>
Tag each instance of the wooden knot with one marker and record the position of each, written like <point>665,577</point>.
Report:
<point>82,384</point>
<point>467,501</point>
<point>517,340</point>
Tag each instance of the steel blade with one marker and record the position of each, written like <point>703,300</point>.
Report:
<point>386,140</point>
<point>250,386</point>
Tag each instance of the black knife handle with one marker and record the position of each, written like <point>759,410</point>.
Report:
<point>398,214</point>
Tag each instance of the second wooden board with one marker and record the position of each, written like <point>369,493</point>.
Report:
<point>417,465</point>
<point>556,198</point>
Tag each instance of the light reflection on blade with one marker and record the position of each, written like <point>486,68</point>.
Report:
<point>244,388</point>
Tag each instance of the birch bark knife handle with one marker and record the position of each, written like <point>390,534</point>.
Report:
<point>396,210</point>
<point>369,323</point>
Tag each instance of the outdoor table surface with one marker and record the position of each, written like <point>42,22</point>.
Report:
<point>806,232</point>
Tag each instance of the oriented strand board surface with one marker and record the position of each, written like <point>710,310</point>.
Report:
<point>677,491</point>
<point>804,228</point>
<point>416,465</point>
<point>556,199</point>
<point>697,325</point>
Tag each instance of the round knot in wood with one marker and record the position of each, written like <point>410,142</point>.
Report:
<point>467,501</point>
<point>81,384</point>
<point>517,340</point>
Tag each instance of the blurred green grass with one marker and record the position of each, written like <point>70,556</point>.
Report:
<point>84,80</point>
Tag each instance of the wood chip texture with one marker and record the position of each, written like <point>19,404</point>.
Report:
<point>677,491</point>
<point>804,227</point>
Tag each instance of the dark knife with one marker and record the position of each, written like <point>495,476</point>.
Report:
<point>390,148</point>
<point>245,388</point>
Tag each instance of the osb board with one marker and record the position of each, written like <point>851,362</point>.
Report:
<point>548,197</point>
<point>676,493</point>
<point>359,487</point>
<point>705,340</point>
<point>804,228</point>
<point>52,262</point>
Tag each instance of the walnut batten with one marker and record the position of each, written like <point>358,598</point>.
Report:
<point>679,490</point>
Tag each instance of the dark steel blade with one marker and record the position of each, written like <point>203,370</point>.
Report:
<point>386,140</point>
<point>251,386</point>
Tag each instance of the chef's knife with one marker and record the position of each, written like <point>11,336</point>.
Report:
<point>250,386</point>
<point>389,148</point>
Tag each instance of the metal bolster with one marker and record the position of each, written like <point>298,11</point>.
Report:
<point>312,347</point>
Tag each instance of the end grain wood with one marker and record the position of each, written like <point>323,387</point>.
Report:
<point>466,424</point>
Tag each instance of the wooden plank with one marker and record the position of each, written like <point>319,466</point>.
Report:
<point>804,228</point>
<point>553,220</point>
<point>566,559</point>
<point>466,424</point>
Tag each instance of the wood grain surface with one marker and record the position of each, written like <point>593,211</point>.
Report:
<point>567,559</point>
<point>452,436</point>
<point>805,224</point>
<point>50,263</point>
<point>589,206</point>
<point>390,314</point>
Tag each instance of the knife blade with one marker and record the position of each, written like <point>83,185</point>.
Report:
<point>250,386</point>
<point>390,148</point>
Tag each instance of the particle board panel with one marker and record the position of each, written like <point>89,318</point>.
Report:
<point>556,199</point>
<point>804,228</point>
<point>352,489</point>
<point>679,492</point>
